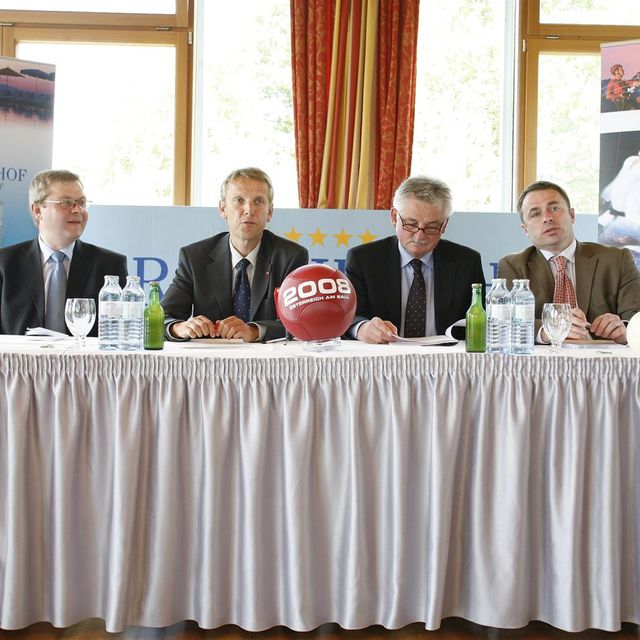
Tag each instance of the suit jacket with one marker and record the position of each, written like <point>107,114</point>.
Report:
<point>607,280</point>
<point>22,284</point>
<point>202,284</point>
<point>374,270</point>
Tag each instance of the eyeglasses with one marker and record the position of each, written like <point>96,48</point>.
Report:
<point>69,203</point>
<point>430,230</point>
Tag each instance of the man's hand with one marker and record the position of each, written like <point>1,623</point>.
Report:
<point>377,331</point>
<point>233,327</point>
<point>197,327</point>
<point>610,327</point>
<point>579,325</point>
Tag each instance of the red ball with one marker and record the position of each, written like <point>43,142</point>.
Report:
<point>316,302</point>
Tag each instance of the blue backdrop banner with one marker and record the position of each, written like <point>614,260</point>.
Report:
<point>152,236</point>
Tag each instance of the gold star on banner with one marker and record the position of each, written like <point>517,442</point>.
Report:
<point>342,237</point>
<point>367,237</point>
<point>293,234</point>
<point>318,237</point>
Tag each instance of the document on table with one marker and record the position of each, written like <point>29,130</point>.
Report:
<point>433,341</point>
<point>203,343</point>
<point>427,341</point>
<point>42,332</point>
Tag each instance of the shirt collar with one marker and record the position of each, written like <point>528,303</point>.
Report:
<point>406,257</point>
<point>569,253</point>
<point>236,256</point>
<point>46,251</point>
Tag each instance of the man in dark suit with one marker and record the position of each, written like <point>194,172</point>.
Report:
<point>387,273</point>
<point>223,286</point>
<point>604,280</point>
<point>59,209</point>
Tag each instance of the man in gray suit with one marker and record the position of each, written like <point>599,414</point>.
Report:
<point>223,286</point>
<point>59,210</point>
<point>605,279</point>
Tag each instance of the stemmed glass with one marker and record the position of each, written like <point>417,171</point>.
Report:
<point>556,322</point>
<point>80,314</point>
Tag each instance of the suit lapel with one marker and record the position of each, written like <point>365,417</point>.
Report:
<point>31,267</point>
<point>261,274</point>
<point>390,282</point>
<point>586,262</point>
<point>541,279</point>
<point>444,278</point>
<point>219,273</point>
<point>79,270</point>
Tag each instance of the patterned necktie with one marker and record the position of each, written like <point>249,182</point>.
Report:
<point>416,312</point>
<point>56,294</point>
<point>563,291</point>
<point>242,292</point>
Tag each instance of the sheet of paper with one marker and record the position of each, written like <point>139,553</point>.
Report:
<point>427,340</point>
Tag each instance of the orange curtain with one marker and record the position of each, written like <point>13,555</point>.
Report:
<point>398,37</point>
<point>311,42</point>
<point>354,96</point>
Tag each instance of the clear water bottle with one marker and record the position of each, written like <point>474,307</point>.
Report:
<point>523,322</point>
<point>499,318</point>
<point>109,314</point>
<point>131,327</point>
<point>489,291</point>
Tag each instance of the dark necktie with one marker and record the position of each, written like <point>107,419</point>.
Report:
<point>242,292</point>
<point>563,291</point>
<point>56,294</point>
<point>416,311</point>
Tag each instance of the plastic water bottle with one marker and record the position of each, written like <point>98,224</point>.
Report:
<point>523,311</point>
<point>131,327</point>
<point>499,318</point>
<point>489,291</point>
<point>109,314</point>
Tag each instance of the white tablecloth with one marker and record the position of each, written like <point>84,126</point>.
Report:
<point>261,485</point>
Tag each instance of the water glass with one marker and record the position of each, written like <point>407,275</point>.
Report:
<point>80,315</point>
<point>556,322</point>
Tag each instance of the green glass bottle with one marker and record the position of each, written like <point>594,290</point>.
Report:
<point>154,320</point>
<point>476,329</point>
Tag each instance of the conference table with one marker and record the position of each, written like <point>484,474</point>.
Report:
<point>264,485</point>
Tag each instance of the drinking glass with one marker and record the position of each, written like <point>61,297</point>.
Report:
<point>556,322</point>
<point>80,314</point>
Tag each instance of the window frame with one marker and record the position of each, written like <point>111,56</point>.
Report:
<point>118,28</point>
<point>537,39</point>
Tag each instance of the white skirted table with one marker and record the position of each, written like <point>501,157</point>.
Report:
<point>262,485</point>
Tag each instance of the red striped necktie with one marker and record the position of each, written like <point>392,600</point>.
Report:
<point>563,291</point>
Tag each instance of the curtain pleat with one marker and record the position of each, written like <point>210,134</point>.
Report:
<point>311,42</point>
<point>357,155</point>
<point>398,38</point>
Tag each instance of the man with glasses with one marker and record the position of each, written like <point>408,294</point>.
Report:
<point>413,283</point>
<point>37,276</point>
<point>223,286</point>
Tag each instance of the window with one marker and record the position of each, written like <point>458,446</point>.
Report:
<point>467,130</point>
<point>114,117</point>
<point>464,106</point>
<point>560,134</point>
<point>107,6</point>
<point>610,12</point>
<point>244,105</point>
<point>568,144</point>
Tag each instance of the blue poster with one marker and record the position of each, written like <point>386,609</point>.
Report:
<point>26,140</point>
